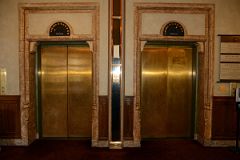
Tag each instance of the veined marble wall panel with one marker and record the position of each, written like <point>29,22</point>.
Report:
<point>103,48</point>
<point>193,23</point>
<point>80,23</point>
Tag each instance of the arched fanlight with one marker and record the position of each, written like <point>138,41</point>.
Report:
<point>59,29</point>
<point>173,29</point>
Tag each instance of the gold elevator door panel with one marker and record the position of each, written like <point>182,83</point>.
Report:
<point>166,92</point>
<point>66,90</point>
<point>54,91</point>
<point>79,91</point>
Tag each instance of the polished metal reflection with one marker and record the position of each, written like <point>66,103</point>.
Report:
<point>79,91</point>
<point>116,99</point>
<point>66,90</point>
<point>166,91</point>
<point>54,91</point>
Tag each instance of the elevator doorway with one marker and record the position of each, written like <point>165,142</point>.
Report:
<point>168,90</point>
<point>65,90</point>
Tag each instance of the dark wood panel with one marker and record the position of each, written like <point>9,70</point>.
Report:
<point>128,118</point>
<point>103,117</point>
<point>10,126</point>
<point>224,118</point>
<point>230,38</point>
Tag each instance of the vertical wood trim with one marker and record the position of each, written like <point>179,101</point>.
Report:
<point>10,124</point>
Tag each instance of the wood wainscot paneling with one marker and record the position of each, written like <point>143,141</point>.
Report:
<point>224,118</point>
<point>103,117</point>
<point>10,126</point>
<point>128,118</point>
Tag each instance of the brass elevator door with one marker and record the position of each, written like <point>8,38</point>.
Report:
<point>66,90</point>
<point>167,91</point>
